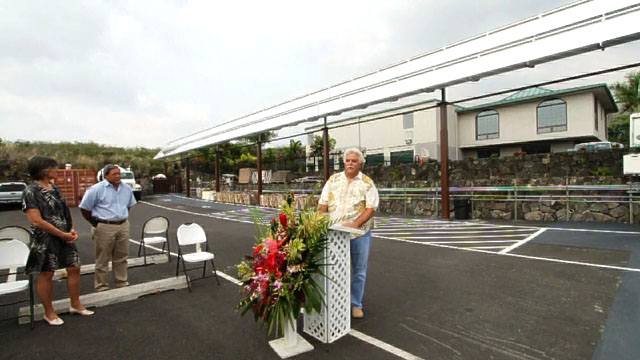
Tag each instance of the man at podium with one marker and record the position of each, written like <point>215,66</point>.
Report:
<point>351,198</point>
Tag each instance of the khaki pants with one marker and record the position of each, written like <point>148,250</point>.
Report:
<point>111,243</point>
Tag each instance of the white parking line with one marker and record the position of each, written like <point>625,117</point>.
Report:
<point>461,230</point>
<point>486,247</point>
<point>509,254</point>
<point>459,237</point>
<point>522,242</point>
<point>596,230</point>
<point>472,242</point>
<point>383,345</point>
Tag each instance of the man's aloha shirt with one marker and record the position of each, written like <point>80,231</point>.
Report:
<point>347,201</point>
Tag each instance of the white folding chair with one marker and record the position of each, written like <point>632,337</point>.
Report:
<point>15,232</point>
<point>155,231</point>
<point>14,255</point>
<point>190,234</point>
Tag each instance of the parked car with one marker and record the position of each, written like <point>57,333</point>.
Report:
<point>309,179</point>
<point>11,192</point>
<point>597,145</point>
<point>228,179</point>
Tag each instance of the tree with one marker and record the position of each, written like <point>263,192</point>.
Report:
<point>626,93</point>
<point>264,137</point>
<point>295,149</point>
<point>627,96</point>
<point>317,148</point>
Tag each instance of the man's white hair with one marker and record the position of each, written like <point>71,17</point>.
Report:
<point>354,151</point>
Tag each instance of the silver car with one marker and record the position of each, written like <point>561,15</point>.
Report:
<point>11,192</point>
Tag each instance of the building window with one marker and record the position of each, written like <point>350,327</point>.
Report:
<point>402,157</point>
<point>487,125</point>
<point>552,116</point>
<point>374,159</point>
<point>595,110</point>
<point>536,148</point>
<point>488,153</point>
<point>407,121</point>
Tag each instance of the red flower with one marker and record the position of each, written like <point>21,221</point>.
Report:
<point>283,220</point>
<point>257,249</point>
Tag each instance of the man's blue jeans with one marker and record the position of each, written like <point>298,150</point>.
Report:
<point>359,258</point>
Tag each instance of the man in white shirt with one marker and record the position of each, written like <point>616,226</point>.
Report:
<point>351,198</point>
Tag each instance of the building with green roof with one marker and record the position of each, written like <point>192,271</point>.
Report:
<point>534,120</point>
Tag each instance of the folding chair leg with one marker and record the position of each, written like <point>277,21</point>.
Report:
<point>184,267</point>
<point>204,269</point>
<point>139,248</point>
<point>144,251</point>
<point>168,250</point>
<point>31,301</point>
<point>215,273</point>
<point>178,264</point>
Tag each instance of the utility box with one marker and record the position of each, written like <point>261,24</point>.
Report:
<point>244,175</point>
<point>631,164</point>
<point>634,130</point>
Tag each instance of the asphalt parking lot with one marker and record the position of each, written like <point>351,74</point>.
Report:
<point>435,290</point>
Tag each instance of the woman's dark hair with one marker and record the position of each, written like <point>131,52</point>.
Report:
<point>38,164</point>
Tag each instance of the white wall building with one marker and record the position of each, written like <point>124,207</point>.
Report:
<point>535,120</point>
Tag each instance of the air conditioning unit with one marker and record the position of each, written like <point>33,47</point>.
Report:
<point>408,137</point>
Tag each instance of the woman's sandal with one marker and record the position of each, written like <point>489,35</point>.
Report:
<point>84,312</point>
<point>55,322</point>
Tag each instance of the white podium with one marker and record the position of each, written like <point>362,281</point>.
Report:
<point>334,321</point>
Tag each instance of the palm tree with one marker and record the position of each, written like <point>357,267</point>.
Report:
<point>295,149</point>
<point>317,148</point>
<point>264,137</point>
<point>627,96</point>
<point>628,93</point>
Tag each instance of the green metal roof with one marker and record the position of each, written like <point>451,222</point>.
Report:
<point>528,94</point>
<point>601,91</point>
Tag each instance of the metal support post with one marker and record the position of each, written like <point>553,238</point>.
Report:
<point>188,173</point>
<point>630,208</point>
<point>567,196</point>
<point>444,156</point>
<point>325,150</point>
<point>218,176</point>
<point>259,153</point>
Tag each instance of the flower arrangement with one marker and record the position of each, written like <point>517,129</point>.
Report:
<point>278,277</point>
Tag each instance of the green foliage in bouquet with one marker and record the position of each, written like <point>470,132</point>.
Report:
<point>279,277</point>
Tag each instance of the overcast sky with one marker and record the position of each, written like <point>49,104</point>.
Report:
<point>142,73</point>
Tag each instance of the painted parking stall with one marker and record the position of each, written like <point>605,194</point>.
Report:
<point>469,235</point>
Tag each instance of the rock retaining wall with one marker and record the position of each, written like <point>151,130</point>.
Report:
<point>558,169</point>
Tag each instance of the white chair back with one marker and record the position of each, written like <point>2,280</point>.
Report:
<point>15,232</point>
<point>156,225</point>
<point>190,234</point>
<point>13,254</point>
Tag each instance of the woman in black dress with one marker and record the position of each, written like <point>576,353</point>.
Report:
<point>53,245</point>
